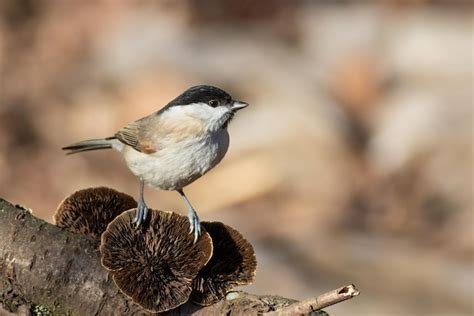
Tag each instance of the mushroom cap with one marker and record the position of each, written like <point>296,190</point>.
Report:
<point>156,263</point>
<point>232,263</point>
<point>89,211</point>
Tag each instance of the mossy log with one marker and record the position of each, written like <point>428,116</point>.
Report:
<point>47,270</point>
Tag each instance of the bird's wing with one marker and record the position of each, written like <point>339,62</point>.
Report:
<point>133,135</point>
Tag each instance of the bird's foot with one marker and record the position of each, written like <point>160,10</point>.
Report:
<point>141,214</point>
<point>195,225</point>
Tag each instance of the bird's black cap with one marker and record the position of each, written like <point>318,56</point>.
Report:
<point>201,93</point>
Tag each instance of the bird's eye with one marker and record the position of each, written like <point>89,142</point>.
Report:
<point>213,103</point>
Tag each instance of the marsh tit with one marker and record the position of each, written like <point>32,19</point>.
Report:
<point>174,146</point>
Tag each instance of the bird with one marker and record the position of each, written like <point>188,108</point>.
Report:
<point>174,146</point>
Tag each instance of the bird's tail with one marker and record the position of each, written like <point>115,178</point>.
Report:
<point>91,144</point>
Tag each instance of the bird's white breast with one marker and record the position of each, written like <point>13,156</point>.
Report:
<point>176,164</point>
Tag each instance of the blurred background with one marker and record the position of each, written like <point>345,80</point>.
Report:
<point>353,164</point>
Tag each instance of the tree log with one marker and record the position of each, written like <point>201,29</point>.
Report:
<point>45,269</point>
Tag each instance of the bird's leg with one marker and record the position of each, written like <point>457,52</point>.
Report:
<point>195,225</point>
<point>142,209</point>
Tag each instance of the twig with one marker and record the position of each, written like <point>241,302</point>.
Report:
<point>324,300</point>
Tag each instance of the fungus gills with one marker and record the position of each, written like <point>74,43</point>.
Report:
<point>89,211</point>
<point>155,264</point>
<point>232,263</point>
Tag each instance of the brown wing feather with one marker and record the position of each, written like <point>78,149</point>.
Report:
<point>129,135</point>
<point>134,137</point>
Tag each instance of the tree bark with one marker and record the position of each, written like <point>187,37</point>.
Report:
<point>45,268</point>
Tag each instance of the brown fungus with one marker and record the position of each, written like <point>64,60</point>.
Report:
<point>155,264</point>
<point>232,263</point>
<point>89,211</point>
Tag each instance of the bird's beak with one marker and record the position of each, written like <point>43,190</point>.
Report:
<point>237,105</point>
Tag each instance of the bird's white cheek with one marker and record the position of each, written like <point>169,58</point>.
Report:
<point>210,117</point>
<point>215,122</point>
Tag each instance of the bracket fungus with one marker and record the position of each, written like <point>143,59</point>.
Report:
<point>156,263</point>
<point>233,263</point>
<point>89,211</point>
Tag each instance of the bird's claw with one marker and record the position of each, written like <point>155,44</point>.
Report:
<point>140,215</point>
<point>194,225</point>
